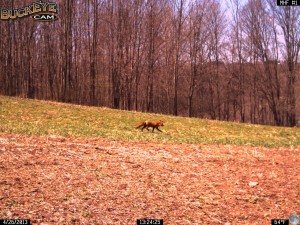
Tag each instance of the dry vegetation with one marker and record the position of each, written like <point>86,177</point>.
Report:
<point>56,180</point>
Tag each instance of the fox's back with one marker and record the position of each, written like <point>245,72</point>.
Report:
<point>146,124</point>
<point>153,124</point>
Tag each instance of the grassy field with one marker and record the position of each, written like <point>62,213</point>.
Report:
<point>33,117</point>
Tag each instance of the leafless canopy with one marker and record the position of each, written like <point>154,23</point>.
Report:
<point>198,58</point>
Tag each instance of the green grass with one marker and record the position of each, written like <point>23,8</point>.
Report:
<point>33,117</point>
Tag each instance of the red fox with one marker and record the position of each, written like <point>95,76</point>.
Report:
<point>146,124</point>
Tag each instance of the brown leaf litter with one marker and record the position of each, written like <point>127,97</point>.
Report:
<point>55,180</point>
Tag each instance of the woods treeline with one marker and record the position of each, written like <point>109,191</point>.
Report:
<point>189,58</point>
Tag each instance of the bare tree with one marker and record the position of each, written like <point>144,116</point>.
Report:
<point>177,57</point>
<point>198,34</point>
<point>259,29</point>
<point>178,21</point>
<point>289,20</point>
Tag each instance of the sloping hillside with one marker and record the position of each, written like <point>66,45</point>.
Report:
<point>24,116</point>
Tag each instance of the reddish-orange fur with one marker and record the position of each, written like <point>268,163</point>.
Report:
<point>146,124</point>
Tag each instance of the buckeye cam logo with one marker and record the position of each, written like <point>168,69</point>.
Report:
<point>44,17</point>
<point>40,11</point>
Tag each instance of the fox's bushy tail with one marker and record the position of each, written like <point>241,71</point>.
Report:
<point>140,125</point>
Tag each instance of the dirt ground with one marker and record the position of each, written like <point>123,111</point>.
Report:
<point>55,180</point>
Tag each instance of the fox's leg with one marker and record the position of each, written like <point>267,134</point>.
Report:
<point>143,127</point>
<point>147,128</point>
<point>158,129</point>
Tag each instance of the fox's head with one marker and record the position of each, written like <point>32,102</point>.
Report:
<point>161,123</point>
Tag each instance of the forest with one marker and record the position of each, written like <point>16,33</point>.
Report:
<point>223,60</point>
